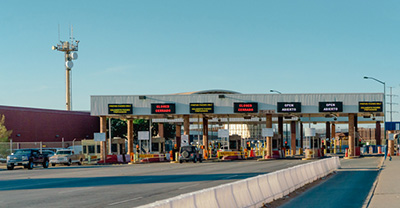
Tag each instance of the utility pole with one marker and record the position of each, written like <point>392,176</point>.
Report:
<point>69,48</point>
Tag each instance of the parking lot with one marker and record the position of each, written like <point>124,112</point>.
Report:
<point>121,185</point>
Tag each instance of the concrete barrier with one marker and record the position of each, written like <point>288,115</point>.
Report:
<point>206,198</point>
<point>265,187</point>
<point>225,196</point>
<point>255,191</point>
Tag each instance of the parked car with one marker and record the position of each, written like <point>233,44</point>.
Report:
<point>66,157</point>
<point>49,153</point>
<point>27,158</point>
<point>190,153</point>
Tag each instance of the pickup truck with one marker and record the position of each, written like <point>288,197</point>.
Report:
<point>66,157</point>
<point>27,158</point>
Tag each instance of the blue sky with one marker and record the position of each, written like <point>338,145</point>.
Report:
<point>162,47</point>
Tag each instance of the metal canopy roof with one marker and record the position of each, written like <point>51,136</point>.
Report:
<point>223,105</point>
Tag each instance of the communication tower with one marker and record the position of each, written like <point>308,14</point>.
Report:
<point>69,48</point>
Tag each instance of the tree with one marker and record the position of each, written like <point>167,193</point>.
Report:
<point>118,127</point>
<point>143,125</point>
<point>169,130</point>
<point>4,133</point>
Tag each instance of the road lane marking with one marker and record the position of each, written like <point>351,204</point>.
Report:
<point>74,190</point>
<point>128,200</point>
<point>184,187</point>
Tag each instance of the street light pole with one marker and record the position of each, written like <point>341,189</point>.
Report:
<point>384,104</point>
<point>286,122</point>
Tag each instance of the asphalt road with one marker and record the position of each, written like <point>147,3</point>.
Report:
<point>122,185</point>
<point>349,187</point>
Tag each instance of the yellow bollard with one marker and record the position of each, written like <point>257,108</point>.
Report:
<point>301,151</point>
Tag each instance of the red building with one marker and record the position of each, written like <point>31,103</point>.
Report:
<point>35,125</point>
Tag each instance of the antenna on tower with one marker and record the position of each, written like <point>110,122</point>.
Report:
<point>69,48</point>
<point>72,33</point>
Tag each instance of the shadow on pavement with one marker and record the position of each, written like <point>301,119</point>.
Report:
<point>344,189</point>
<point>46,183</point>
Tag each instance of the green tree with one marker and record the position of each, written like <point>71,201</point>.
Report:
<point>143,125</point>
<point>4,133</point>
<point>169,130</point>
<point>118,128</point>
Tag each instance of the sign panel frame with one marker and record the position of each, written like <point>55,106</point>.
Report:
<point>370,106</point>
<point>309,132</point>
<point>330,107</point>
<point>120,109</point>
<point>163,108</point>
<point>289,107</point>
<point>223,133</point>
<point>143,135</point>
<point>267,132</point>
<point>245,107</point>
<point>201,108</point>
<point>99,137</point>
<point>184,140</point>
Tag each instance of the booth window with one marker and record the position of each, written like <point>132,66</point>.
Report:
<point>91,149</point>
<point>114,148</point>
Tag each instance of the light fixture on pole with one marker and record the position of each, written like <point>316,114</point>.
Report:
<point>69,48</point>
<point>384,103</point>
<point>275,91</point>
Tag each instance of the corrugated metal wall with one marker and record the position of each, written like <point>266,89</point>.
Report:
<point>309,102</point>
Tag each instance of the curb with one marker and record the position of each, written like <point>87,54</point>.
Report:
<point>268,159</point>
<point>374,185</point>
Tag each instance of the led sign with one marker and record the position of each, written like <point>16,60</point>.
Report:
<point>201,107</point>
<point>245,107</point>
<point>330,106</point>
<point>293,107</point>
<point>374,106</point>
<point>162,108</point>
<point>120,108</point>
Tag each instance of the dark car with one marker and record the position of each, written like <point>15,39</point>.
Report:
<point>189,153</point>
<point>27,158</point>
<point>49,153</point>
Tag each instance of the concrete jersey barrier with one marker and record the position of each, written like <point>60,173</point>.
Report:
<point>255,191</point>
